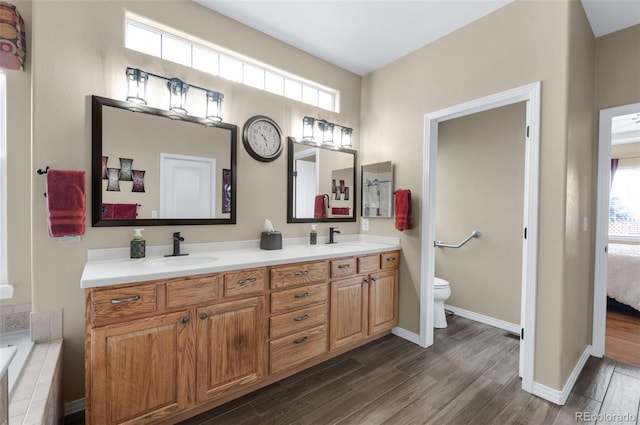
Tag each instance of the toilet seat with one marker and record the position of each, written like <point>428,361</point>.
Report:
<point>439,282</point>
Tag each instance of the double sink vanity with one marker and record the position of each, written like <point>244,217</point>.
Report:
<point>170,337</point>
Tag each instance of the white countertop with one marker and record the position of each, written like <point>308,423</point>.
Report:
<point>113,266</point>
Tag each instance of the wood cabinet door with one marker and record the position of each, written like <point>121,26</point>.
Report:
<point>383,301</point>
<point>142,370</point>
<point>349,300</point>
<point>231,347</point>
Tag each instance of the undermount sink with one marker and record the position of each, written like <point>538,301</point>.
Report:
<point>185,260</point>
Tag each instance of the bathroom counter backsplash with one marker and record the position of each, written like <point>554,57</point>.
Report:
<point>106,267</point>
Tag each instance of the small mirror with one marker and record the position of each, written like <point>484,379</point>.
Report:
<point>321,183</point>
<point>377,190</point>
<point>154,167</point>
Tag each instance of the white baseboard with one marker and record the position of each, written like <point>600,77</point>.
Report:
<point>405,334</point>
<point>560,397</point>
<point>73,406</point>
<point>496,323</point>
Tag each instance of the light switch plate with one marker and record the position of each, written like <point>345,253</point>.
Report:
<point>365,224</point>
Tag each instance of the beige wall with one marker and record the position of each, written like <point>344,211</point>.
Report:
<point>480,186</point>
<point>582,154</point>
<point>77,52</point>
<point>523,42</point>
<point>617,67</point>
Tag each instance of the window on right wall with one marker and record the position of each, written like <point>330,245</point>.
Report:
<point>624,203</point>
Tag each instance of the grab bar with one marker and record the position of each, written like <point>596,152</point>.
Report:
<point>440,244</point>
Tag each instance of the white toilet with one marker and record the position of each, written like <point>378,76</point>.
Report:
<point>441,292</point>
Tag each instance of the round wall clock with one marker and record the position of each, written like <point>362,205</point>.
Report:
<point>262,138</point>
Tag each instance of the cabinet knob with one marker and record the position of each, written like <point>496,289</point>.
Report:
<point>184,320</point>
<point>203,316</point>
<point>365,280</point>
<point>374,278</point>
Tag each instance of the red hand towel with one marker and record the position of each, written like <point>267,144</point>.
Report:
<point>404,214</point>
<point>119,211</point>
<point>66,202</point>
<point>320,209</point>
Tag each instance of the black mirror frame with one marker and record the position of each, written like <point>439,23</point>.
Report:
<point>290,154</point>
<point>97,103</point>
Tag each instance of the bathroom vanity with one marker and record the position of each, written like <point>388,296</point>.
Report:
<point>166,342</point>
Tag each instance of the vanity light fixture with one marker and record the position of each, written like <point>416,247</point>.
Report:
<point>137,86</point>
<point>214,106</point>
<point>326,133</point>
<point>138,80</point>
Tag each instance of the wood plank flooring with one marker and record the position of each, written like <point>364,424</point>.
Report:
<point>469,376</point>
<point>622,338</point>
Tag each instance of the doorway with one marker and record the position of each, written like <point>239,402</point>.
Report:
<point>603,249</point>
<point>187,186</point>
<point>531,95</point>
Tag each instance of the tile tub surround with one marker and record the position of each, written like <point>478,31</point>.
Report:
<point>20,341</point>
<point>113,266</point>
<point>37,396</point>
<point>14,317</point>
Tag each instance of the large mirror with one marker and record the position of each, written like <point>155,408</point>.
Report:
<point>152,167</point>
<point>321,183</point>
<point>377,190</point>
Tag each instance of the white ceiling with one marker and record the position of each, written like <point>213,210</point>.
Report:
<point>363,35</point>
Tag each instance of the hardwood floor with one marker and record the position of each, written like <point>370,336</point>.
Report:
<point>468,377</point>
<point>622,340</point>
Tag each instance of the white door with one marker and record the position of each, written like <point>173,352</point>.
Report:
<point>305,182</point>
<point>187,186</point>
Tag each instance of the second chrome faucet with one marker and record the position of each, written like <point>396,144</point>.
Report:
<point>176,245</point>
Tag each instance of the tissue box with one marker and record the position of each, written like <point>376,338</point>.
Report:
<point>271,240</point>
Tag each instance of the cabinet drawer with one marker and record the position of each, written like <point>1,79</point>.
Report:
<point>343,268</point>
<point>115,305</point>
<point>297,320</point>
<point>245,282</point>
<point>196,290</point>
<point>390,260</point>
<point>296,298</point>
<point>290,351</point>
<point>298,274</point>
<point>368,263</point>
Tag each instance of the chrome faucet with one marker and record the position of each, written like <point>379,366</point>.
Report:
<point>176,245</point>
<point>332,232</point>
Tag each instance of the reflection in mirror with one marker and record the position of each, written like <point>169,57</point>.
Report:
<point>377,190</point>
<point>321,183</point>
<point>153,167</point>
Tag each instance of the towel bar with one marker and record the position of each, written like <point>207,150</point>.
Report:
<point>440,244</point>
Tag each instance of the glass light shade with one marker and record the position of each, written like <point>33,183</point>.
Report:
<point>137,86</point>
<point>346,137</point>
<point>308,125</point>
<point>327,133</point>
<point>177,95</point>
<point>214,106</point>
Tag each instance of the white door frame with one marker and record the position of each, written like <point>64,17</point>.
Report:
<point>602,224</point>
<point>531,94</point>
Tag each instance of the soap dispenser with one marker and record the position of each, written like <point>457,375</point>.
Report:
<point>313,235</point>
<point>137,244</point>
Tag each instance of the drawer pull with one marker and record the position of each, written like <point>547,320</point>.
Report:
<point>303,295</point>
<point>246,281</point>
<point>344,266</point>
<point>184,320</point>
<point>301,318</point>
<point>125,300</point>
<point>304,273</point>
<point>301,340</point>
<point>391,258</point>
<point>203,316</point>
